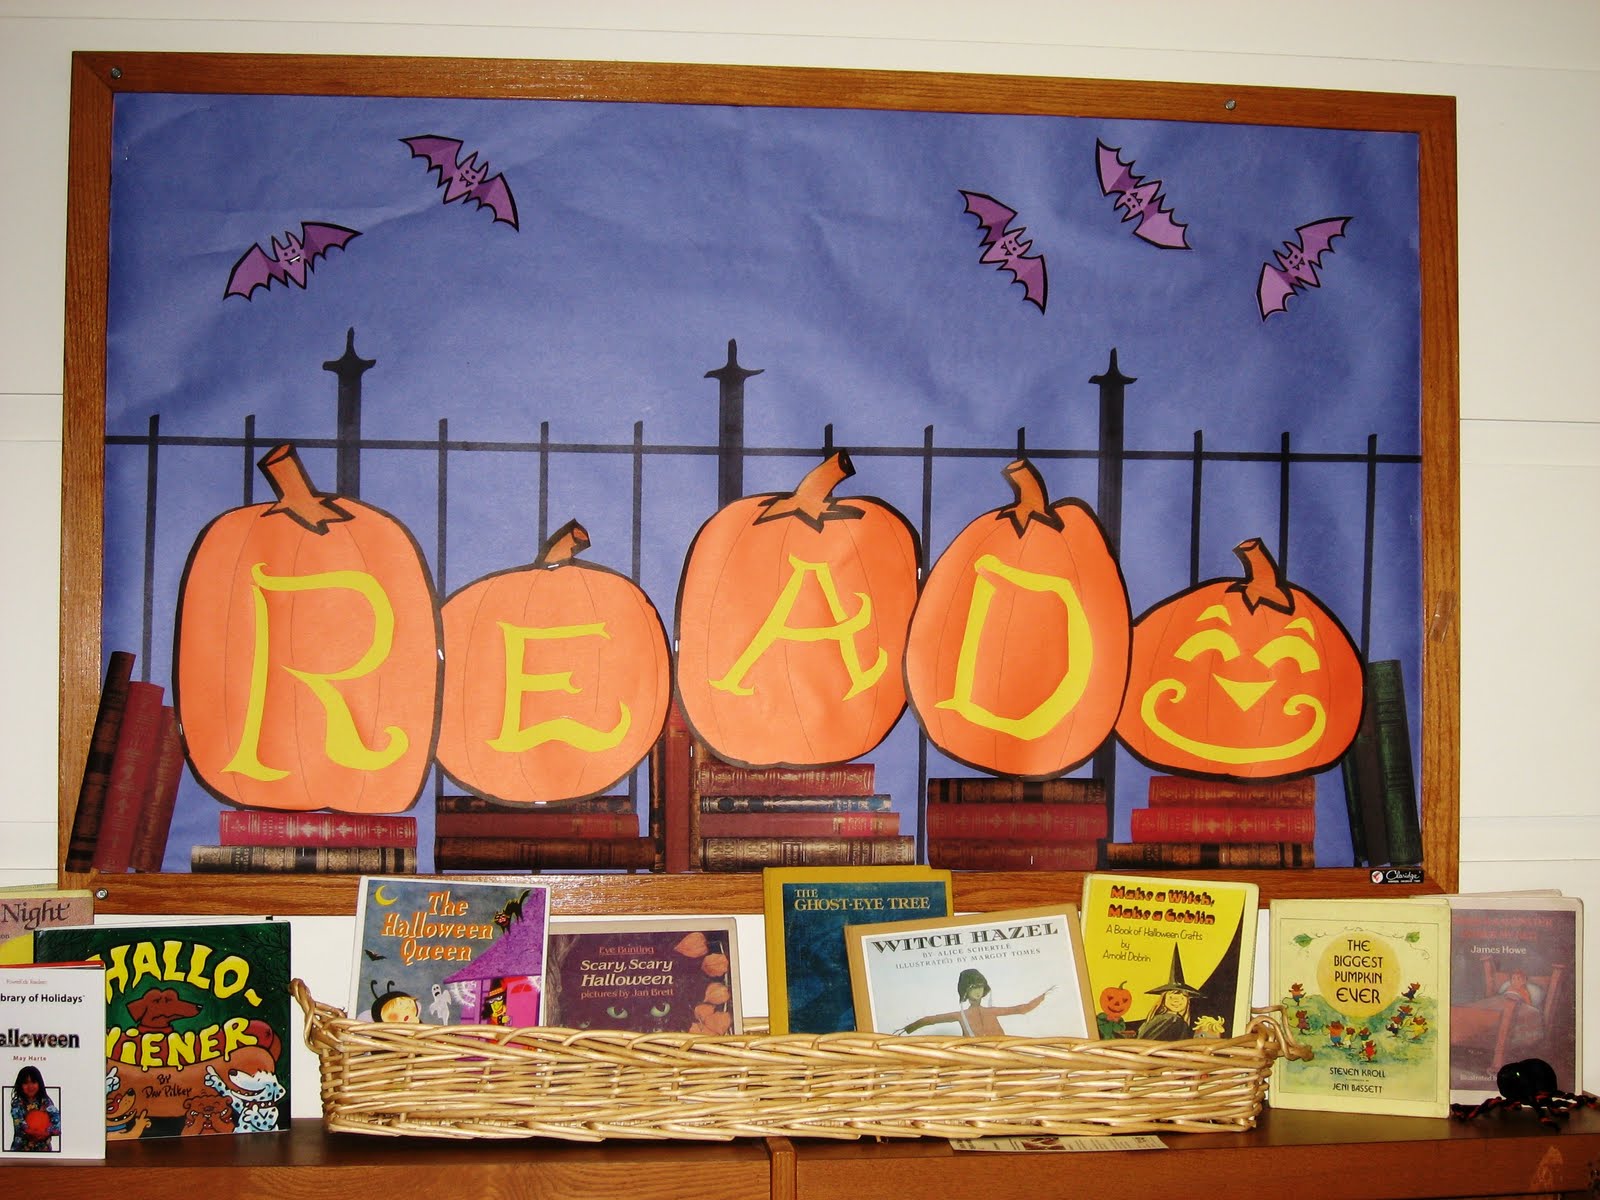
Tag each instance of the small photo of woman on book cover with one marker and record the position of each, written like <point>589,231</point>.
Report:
<point>35,1116</point>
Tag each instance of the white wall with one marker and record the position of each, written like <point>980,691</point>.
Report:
<point>1527,79</point>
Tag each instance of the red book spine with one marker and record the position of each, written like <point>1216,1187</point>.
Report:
<point>97,766</point>
<point>138,744</point>
<point>155,818</point>
<point>799,824</point>
<point>260,827</point>
<point>585,804</point>
<point>675,787</point>
<point>753,853</point>
<point>1169,790</point>
<point>1017,822</point>
<point>536,824</point>
<point>1219,824</point>
<point>1191,855</point>
<point>328,860</point>
<point>984,789</point>
<point>840,779</point>
<point>968,855</point>
<point>546,854</point>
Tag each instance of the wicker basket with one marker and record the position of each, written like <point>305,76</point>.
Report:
<point>484,1081</point>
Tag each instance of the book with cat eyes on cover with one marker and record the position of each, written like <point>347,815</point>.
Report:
<point>649,975</point>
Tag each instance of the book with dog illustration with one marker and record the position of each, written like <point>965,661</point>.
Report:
<point>197,1024</point>
<point>450,950</point>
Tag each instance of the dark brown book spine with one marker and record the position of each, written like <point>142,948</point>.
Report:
<point>676,768</point>
<point>588,804</point>
<point>544,854</point>
<point>967,855</point>
<point>1404,827</point>
<point>536,824</point>
<point>983,789</point>
<point>1214,824</point>
<point>1210,854</point>
<point>97,766</point>
<point>255,827</point>
<point>1175,790</point>
<point>138,745</point>
<point>795,804</point>
<point>799,824</point>
<point>716,778</point>
<point>1014,822</point>
<point>332,860</point>
<point>751,854</point>
<point>155,817</point>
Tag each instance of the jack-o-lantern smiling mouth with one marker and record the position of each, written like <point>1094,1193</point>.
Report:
<point>1173,691</point>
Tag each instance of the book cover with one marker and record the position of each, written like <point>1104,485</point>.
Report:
<point>1362,774</point>
<point>1218,823</point>
<point>52,1033</point>
<point>713,777</point>
<point>132,764</point>
<point>197,1024</point>
<point>449,951</point>
<point>879,802</point>
<point>1516,989</point>
<point>1386,684</point>
<point>1365,984</point>
<point>543,854</point>
<point>543,822</point>
<point>1028,822</point>
<point>1014,973</point>
<point>97,763</point>
<point>454,805</point>
<point>969,854</point>
<point>1202,855</point>
<point>807,910</point>
<point>650,975</point>
<point>325,860</point>
<point>755,853</point>
<point>155,813</point>
<point>798,824</point>
<point>988,789</point>
<point>672,780</point>
<point>26,908</point>
<point>1169,958</point>
<point>264,827</point>
<point>1184,791</point>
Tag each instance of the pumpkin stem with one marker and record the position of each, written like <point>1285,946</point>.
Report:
<point>1030,501</point>
<point>812,499</point>
<point>563,545</point>
<point>1262,582</point>
<point>297,499</point>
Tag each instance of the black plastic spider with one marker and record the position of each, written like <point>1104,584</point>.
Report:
<point>1529,1084</point>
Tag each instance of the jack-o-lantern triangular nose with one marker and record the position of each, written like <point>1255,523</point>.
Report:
<point>1243,693</point>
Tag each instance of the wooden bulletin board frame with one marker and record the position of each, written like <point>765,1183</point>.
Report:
<point>98,78</point>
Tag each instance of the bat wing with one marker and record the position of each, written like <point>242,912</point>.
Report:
<point>1274,290</point>
<point>441,153</point>
<point>1030,272</point>
<point>1316,239</point>
<point>992,215</point>
<point>1161,228</point>
<point>318,238</point>
<point>1114,173</point>
<point>255,268</point>
<point>495,194</point>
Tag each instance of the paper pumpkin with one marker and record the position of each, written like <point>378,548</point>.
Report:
<point>306,659</point>
<point>1018,651</point>
<point>1249,678</point>
<point>557,678</point>
<point>792,618</point>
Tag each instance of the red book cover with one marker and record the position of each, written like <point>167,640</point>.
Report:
<point>542,854</point>
<point>97,765</point>
<point>969,855</point>
<point>986,789</point>
<point>138,743</point>
<point>1168,790</point>
<point>754,853</point>
<point>675,789</point>
<point>1218,824</point>
<point>536,823</point>
<point>717,778</point>
<point>799,824</point>
<point>155,816</point>
<point>1017,822</point>
<point>264,827</point>
<point>584,804</point>
<point>1221,855</point>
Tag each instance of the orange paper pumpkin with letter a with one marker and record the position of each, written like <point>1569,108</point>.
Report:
<point>1019,647</point>
<point>1248,678</point>
<point>557,678</point>
<point>792,618</point>
<point>307,672</point>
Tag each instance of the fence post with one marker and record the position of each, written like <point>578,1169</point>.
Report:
<point>1112,383</point>
<point>349,367</point>
<point>730,379</point>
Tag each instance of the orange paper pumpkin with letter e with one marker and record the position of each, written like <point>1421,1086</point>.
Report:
<point>1019,646</point>
<point>792,618</point>
<point>307,660</point>
<point>557,678</point>
<point>1246,678</point>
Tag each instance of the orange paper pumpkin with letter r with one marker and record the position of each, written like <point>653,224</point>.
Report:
<point>1019,646</point>
<point>307,655</point>
<point>792,618</point>
<point>557,678</point>
<point>1246,678</point>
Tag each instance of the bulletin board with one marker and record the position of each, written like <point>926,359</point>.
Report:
<point>492,298</point>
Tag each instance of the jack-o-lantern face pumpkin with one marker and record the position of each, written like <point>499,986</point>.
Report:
<point>1115,1001</point>
<point>556,678</point>
<point>792,618</point>
<point>1246,678</point>
<point>307,654</point>
<point>1019,647</point>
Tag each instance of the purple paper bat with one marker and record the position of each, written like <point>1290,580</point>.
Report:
<point>1005,248</point>
<point>1139,200</point>
<point>290,261</point>
<point>465,179</point>
<point>1297,264</point>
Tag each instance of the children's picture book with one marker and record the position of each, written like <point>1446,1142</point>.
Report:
<point>197,1028</point>
<point>1516,988</point>
<point>1016,973</point>
<point>1365,984</point>
<point>1169,958</point>
<point>52,1031</point>
<point>649,975</point>
<point>450,951</point>
<point>807,910</point>
<point>29,907</point>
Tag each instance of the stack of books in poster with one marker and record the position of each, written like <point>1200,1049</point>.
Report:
<point>983,823</point>
<point>254,841</point>
<point>472,833</point>
<point>1190,823</point>
<point>130,777</point>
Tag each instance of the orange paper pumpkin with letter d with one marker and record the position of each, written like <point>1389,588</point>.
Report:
<point>307,660</point>
<point>557,678</point>
<point>792,618</point>
<point>1246,678</point>
<point>1019,646</point>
